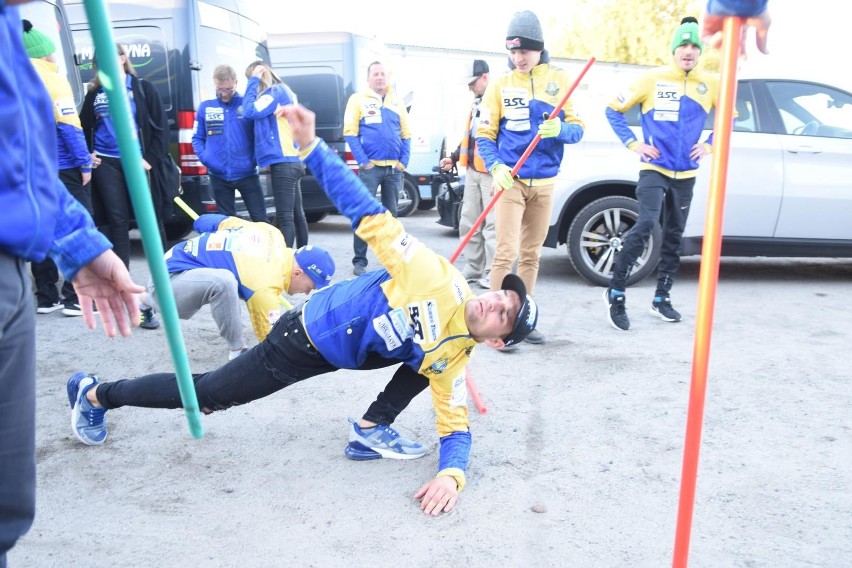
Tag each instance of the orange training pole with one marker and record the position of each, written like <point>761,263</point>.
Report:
<point>707,281</point>
<point>520,163</point>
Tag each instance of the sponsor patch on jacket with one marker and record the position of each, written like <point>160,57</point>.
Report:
<point>439,366</point>
<point>263,101</point>
<point>407,245</point>
<point>666,100</point>
<point>460,289</point>
<point>385,329</point>
<point>552,89</point>
<point>432,320</point>
<point>65,107</point>
<point>625,96</point>
<point>371,113</point>
<point>216,241</point>
<point>701,88</point>
<point>400,323</point>
<point>272,316</point>
<point>459,396</point>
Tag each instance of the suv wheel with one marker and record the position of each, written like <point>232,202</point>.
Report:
<point>597,233</point>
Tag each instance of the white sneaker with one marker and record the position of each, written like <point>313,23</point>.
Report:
<point>49,309</point>
<point>484,282</point>
<point>234,354</point>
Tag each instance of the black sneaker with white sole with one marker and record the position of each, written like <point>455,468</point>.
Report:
<point>617,310</point>
<point>663,309</point>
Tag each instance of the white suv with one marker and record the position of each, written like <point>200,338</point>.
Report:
<point>789,188</point>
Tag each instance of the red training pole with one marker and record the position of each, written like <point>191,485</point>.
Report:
<point>520,163</point>
<point>707,282</point>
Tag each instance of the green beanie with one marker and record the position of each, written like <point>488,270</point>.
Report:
<point>36,43</point>
<point>687,32</point>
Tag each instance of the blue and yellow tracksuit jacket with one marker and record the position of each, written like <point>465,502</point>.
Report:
<point>71,144</point>
<point>675,105</point>
<point>512,109</point>
<point>255,253</point>
<point>273,140</point>
<point>39,215</point>
<point>223,139</point>
<point>376,129</point>
<point>412,311</point>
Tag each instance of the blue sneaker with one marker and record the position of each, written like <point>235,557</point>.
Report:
<point>380,442</point>
<point>87,421</point>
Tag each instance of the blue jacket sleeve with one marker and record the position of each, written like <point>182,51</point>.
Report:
<point>357,150</point>
<point>620,127</point>
<point>569,133</point>
<point>455,451</point>
<point>405,155</point>
<point>72,138</point>
<point>199,137</point>
<point>76,241</point>
<point>344,189</point>
<point>208,223</point>
<point>255,106</point>
<point>488,150</point>
<point>742,8</point>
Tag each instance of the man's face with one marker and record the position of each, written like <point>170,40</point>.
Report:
<point>524,59</point>
<point>686,56</point>
<point>479,84</point>
<point>226,90</point>
<point>377,79</point>
<point>300,283</point>
<point>491,316</point>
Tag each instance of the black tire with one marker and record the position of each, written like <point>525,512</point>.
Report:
<point>409,197</point>
<point>598,231</point>
<point>316,216</point>
<point>177,230</point>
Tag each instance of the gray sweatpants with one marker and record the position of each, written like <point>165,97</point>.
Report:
<point>198,287</point>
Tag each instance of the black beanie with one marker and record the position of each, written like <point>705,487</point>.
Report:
<point>524,32</point>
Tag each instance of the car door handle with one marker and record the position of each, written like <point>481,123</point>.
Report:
<point>804,150</point>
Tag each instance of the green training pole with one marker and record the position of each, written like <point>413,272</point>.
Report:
<point>140,195</point>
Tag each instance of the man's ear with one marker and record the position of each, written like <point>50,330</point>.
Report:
<point>495,343</point>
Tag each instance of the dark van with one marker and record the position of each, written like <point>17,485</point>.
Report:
<point>176,44</point>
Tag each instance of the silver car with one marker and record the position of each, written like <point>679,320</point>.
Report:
<point>789,188</point>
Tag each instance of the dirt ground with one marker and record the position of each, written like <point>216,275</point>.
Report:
<point>577,461</point>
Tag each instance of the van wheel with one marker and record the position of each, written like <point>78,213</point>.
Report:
<point>597,233</point>
<point>177,230</point>
<point>315,216</point>
<point>409,197</point>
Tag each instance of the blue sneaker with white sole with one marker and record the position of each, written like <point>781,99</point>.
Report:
<point>87,422</point>
<point>380,442</point>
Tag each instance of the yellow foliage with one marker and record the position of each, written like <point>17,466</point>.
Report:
<point>637,32</point>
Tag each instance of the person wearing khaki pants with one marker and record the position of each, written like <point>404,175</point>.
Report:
<point>515,108</point>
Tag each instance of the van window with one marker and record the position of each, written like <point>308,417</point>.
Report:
<point>48,19</point>
<point>146,49</point>
<point>319,89</point>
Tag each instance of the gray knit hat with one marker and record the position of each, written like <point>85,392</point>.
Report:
<point>525,32</point>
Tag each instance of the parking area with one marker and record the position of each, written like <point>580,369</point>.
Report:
<point>577,461</point>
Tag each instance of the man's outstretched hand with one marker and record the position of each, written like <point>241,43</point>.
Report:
<point>438,495</point>
<point>106,281</point>
<point>711,31</point>
<point>302,123</point>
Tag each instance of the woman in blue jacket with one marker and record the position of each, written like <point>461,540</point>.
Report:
<point>273,144</point>
<point>110,196</point>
